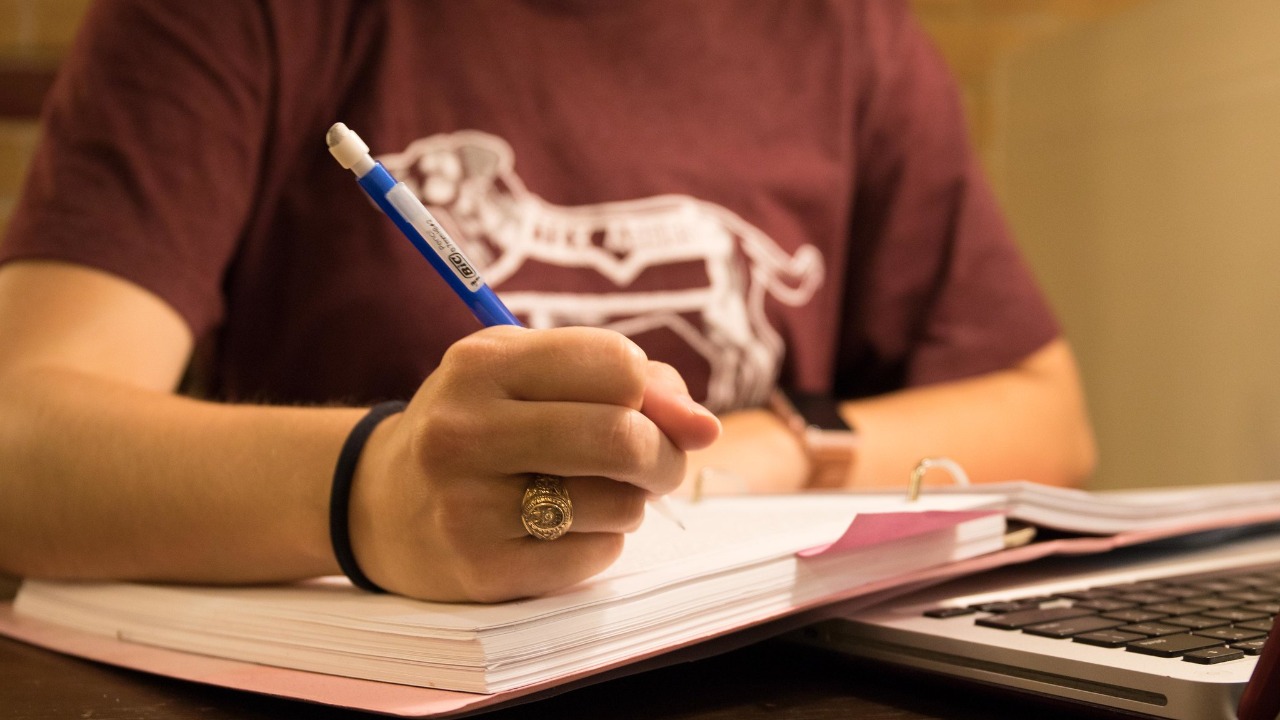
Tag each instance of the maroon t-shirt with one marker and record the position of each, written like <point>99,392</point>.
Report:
<point>753,191</point>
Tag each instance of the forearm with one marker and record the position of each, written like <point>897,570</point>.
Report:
<point>1025,423</point>
<point>106,480</point>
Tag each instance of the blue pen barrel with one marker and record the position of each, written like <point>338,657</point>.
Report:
<point>434,244</point>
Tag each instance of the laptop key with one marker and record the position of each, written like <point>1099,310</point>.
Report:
<point>1107,638</point>
<point>1091,594</point>
<point>1153,629</point>
<point>1250,580</point>
<point>948,612</point>
<point>1213,603</point>
<point>1134,615</point>
<point>1106,604</point>
<point>1218,586</point>
<point>1249,596</point>
<point>1214,655</point>
<point>1232,634</point>
<point>1173,608</point>
<point>1019,619</point>
<point>1169,646</point>
<point>1001,607</point>
<point>1071,626</point>
<point>1263,625</point>
<point>1195,622</point>
<point>1177,592</point>
<point>1147,586</point>
<point>1235,615</point>
<point>1250,647</point>
<point>1143,598</point>
<point>1036,600</point>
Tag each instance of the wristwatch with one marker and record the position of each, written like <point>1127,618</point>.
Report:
<point>827,438</point>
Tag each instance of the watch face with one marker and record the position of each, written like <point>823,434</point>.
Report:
<point>820,411</point>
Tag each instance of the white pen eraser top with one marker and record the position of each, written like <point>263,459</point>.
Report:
<point>347,147</point>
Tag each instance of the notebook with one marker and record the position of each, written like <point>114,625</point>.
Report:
<point>1172,629</point>
<point>733,562</point>
<point>743,569</point>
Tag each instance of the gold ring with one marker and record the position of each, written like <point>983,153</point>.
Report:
<point>546,510</point>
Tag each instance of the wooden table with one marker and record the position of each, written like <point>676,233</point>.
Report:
<point>769,680</point>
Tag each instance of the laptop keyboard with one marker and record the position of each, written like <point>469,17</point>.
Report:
<point>1204,618</point>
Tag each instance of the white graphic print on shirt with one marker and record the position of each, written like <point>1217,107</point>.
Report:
<point>468,180</point>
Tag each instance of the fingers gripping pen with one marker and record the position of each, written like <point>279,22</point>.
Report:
<point>415,221</point>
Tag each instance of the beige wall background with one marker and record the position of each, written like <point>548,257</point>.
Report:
<point>1139,159</point>
<point>1136,147</point>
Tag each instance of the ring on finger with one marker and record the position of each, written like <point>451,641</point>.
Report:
<point>546,510</point>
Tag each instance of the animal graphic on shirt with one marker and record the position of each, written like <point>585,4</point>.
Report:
<point>468,180</point>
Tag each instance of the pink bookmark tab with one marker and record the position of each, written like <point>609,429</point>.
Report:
<point>868,529</point>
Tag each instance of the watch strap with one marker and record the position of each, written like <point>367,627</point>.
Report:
<point>829,442</point>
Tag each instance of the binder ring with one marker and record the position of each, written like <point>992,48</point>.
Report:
<point>958,475</point>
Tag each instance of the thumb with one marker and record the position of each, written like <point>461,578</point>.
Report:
<point>667,403</point>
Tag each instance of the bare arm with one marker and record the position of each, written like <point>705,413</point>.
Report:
<point>1027,422</point>
<point>108,474</point>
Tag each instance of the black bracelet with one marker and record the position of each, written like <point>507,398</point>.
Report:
<point>340,498</point>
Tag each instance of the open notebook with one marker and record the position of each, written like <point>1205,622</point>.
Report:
<point>737,562</point>
<point>745,569</point>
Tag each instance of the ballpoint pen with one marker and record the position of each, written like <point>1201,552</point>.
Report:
<point>413,219</point>
<point>404,208</point>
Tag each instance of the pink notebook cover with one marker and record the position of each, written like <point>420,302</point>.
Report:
<point>407,701</point>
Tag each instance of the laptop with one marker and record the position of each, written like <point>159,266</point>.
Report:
<point>1174,629</point>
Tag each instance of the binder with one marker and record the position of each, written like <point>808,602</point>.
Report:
<point>964,528</point>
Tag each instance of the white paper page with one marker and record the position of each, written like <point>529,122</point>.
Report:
<point>1114,511</point>
<point>720,533</point>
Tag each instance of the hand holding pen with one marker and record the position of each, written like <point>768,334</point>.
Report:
<point>551,434</point>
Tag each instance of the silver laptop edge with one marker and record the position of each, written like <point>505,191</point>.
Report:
<point>897,632</point>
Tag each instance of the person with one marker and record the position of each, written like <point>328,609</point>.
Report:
<point>688,203</point>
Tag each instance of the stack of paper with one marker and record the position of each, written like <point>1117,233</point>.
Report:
<point>736,564</point>
<point>1107,512</point>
